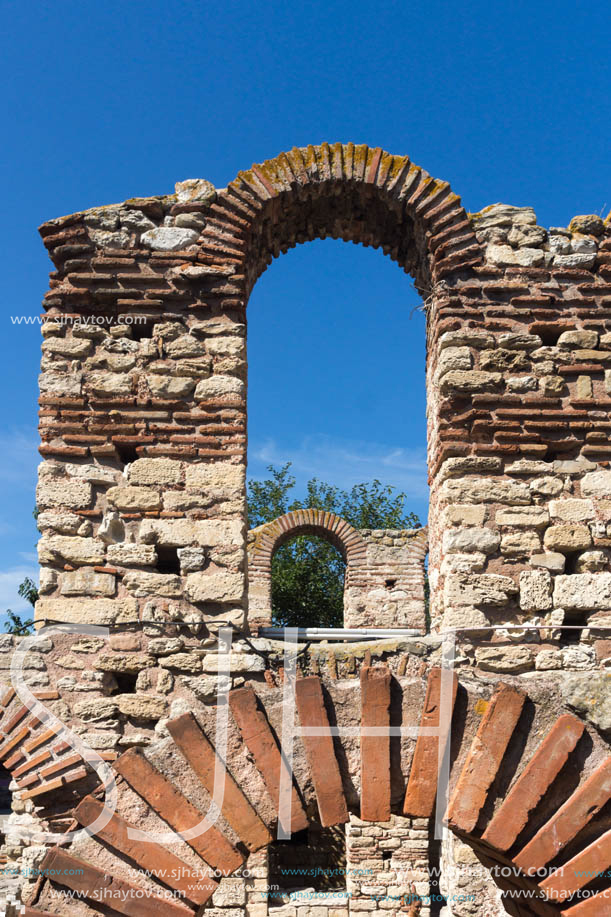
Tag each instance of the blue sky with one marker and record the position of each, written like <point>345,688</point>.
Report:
<point>103,101</point>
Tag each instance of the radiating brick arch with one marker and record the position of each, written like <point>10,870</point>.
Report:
<point>345,191</point>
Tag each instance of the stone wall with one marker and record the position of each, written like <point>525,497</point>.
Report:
<point>384,580</point>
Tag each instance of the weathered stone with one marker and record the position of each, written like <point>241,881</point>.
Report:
<point>169,238</point>
<point>195,189</point>
<point>141,584</point>
<point>464,617</point>
<point>63,493</point>
<point>590,695</point>
<point>575,259</point>
<point>527,467</point>
<point>214,476</point>
<point>535,590</point>
<point>578,657</point>
<point>101,611</point>
<point>592,561</point>
<point>567,538</point>
<point>142,706</point>
<point>129,499</point>
<point>516,544</point>
<point>183,532</point>
<point>96,709</point>
<point>464,514</point>
<point>551,561</point>
<point>87,582</point>
<point>164,386</point>
<point>583,591</point>
<point>458,541</point>
<point>185,662</point>
<point>125,554</point>
<point>572,510</point>
<point>552,385</point>
<point>472,381</point>
<point>102,383</point>
<point>548,659</point>
<point>547,486</point>
<point>512,340</point>
<point>505,256</point>
<point>123,662</point>
<point>463,563</point>
<point>64,384</point>
<point>522,384</point>
<point>164,646</point>
<point>484,589</point>
<point>486,490</point>
<point>59,523</point>
<point>503,215</point>
<point>154,471</point>
<point>452,358</point>
<point>111,529</point>
<point>588,223</point>
<point>525,235</point>
<point>191,559</point>
<point>220,586</point>
<point>596,484</point>
<point>54,549</point>
<point>217,386</point>
<point>469,337</point>
<point>584,389</point>
<point>505,658</point>
<point>588,339</point>
<point>72,348</point>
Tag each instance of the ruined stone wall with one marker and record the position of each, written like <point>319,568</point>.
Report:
<point>384,580</point>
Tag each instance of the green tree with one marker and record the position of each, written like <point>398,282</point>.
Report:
<point>308,572</point>
<point>15,624</point>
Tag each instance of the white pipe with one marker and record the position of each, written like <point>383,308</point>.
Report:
<point>341,633</point>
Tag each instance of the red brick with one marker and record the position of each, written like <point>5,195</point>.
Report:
<point>375,750</point>
<point>320,753</point>
<point>568,821</point>
<point>171,805</point>
<point>421,789</point>
<point>57,784</point>
<point>596,906</point>
<point>261,742</point>
<point>533,782</point>
<point>167,867</point>
<point>484,758</point>
<point>201,755</point>
<point>119,895</point>
<point>580,870</point>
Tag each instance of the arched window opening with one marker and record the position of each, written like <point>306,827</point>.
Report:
<point>314,859</point>
<point>308,574</point>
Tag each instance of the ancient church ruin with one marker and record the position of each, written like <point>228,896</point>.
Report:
<point>144,533</point>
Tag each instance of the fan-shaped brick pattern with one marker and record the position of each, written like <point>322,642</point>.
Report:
<point>481,767</point>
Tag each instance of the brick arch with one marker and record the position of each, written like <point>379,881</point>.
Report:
<point>267,538</point>
<point>346,191</point>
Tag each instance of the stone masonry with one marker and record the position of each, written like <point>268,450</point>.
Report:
<point>143,523</point>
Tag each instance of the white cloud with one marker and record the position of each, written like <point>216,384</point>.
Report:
<point>10,580</point>
<point>345,463</point>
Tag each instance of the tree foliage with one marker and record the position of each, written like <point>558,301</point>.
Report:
<point>308,572</point>
<point>15,624</point>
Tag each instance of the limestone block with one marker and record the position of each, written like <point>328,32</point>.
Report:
<point>166,386</point>
<point>482,589</point>
<point>463,540</point>
<point>505,658</point>
<point>464,514</point>
<point>535,590</point>
<point>608,381</point>
<point>547,486</point>
<point>578,657</point>
<point>54,549</point>
<point>217,386</point>
<point>455,563</point>
<point>220,477</point>
<point>142,706</point>
<point>125,554</point>
<point>72,348</point>
<point>592,561</point>
<point>185,346</point>
<point>516,544</point>
<point>573,466</point>
<point>111,528</point>
<point>221,586</point>
<point>63,493</point>
<point>182,532</point>
<point>232,662</point>
<point>169,238</point>
<point>584,388</point>
<point>521,384</point>
<point>590,695</point>
<point>164,646</point>
<point>583,591</point>
<point>452,358</point>
<point>526,235</point>
<point>589,223</point>
<point>184,662</point>
<point>103,238</point>
<point>61,523</point>
<point>124,662</point>
<point>472,381</point>
<point>548,659</point>
<point>576,259</point>
<point>87,582</point>
<point>486,490</point>
<point>505,256</point>
<point>587,339</point>
<point>219,346</point>
<point>567,538</point>
<point>96,709</point>
<point>58,383</point>
<point>130,499</point>
<point>467,464</point>
<point>102,611</point>
<point>191,559</point>
<point>552,561</point>
<point>154,471</point>
<point>195,189</point>
<point>596,484</point>
<point>466,337</point>
<point>96,474</point>
<point>528,466</point>
<point>552,385</point>
<point>141,584</point>
<point>502,361</point>
<point>572,510</point>
<point>108,383</point>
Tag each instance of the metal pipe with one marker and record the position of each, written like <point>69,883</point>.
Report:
<point>341,633</point>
